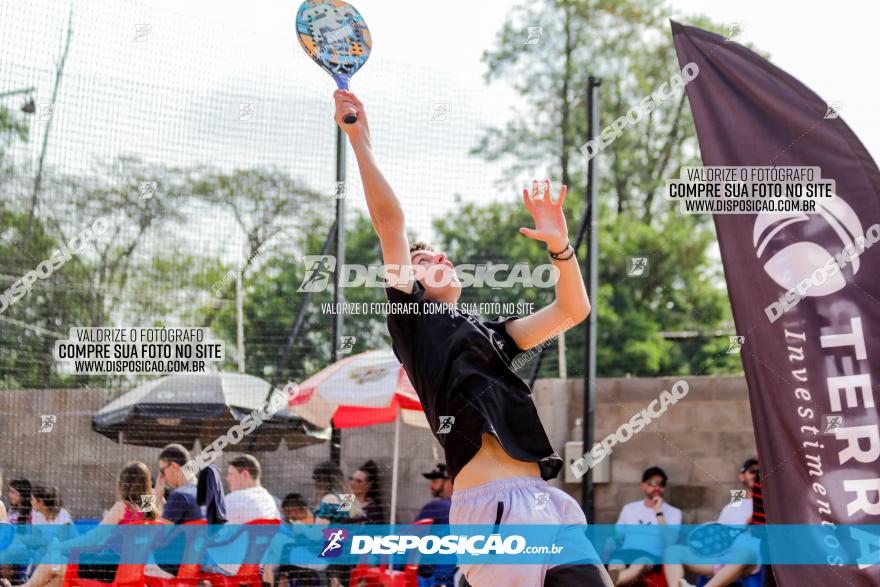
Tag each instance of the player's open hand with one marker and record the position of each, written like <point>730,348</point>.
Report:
<point>550,226</point>
<point>347,103</point>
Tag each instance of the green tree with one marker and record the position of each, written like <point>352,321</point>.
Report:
<point>626,43</point>
<point>118,277</point>
<point>30,325</point>
<point>13,127</point>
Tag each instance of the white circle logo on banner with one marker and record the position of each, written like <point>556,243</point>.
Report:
<point>801,260</point>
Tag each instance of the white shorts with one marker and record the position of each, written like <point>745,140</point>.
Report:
<point>525,500</point>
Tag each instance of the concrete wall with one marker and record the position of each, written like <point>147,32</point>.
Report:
<point>700,442</point>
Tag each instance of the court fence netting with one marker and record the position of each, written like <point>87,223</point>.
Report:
<point>204,148</point>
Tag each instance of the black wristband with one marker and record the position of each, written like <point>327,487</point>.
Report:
<point>659,514</point>
<point>558,256</point>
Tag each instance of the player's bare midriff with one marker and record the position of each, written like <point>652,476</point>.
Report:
<point>491,463</point>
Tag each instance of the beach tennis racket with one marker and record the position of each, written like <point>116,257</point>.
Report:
<point>712,538</point>
<point>336,37</point>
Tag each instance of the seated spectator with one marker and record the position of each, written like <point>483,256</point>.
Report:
<point>737,513</point>
<point>6,571</point>
<point>47,511</point>
<point>438,510</point>
<point>368,493</point>
<point>20,509</point>
<point>19,495</point>
<point>295,510</point>
<point>247,499</point>
<point>46,503</point>
<point>744,550</point>
<point>179,507</point>
<point>4,516</point>
<point>441,490</point>
<point>133,484</point>
<point>181,504</point>
<point>644,548</point>
<point>335,504</point>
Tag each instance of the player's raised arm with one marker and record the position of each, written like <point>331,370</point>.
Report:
<point>385,210</point>
<point>571,304</point>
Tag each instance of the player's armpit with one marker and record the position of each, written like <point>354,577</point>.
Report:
<point>547,323</point>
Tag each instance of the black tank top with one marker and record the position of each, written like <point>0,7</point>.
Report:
<point>460,367</point>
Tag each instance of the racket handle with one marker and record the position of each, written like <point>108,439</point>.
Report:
<point>342,84</point>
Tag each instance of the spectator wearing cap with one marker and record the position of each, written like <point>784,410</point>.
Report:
<point>643,548</point>
<point>739,512</point>
<point>742,555</point>
<point>441,490</point>
<point>437,510</point>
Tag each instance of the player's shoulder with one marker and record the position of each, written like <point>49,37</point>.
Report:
<point>672,508</point>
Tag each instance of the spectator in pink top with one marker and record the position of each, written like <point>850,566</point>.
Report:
<point>134,500</point>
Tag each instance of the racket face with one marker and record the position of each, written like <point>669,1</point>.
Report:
<point>712,538</point>
<point>334,35</point>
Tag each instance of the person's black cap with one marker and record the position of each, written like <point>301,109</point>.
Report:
<point>654,472</point>
<point>749,462</point>
<point>439,472</point>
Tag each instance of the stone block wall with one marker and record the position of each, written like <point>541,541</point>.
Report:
<point>700,442</point>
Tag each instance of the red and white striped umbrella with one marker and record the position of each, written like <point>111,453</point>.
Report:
<point>362,390</point>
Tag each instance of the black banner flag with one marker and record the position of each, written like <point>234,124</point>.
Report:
<point>805,293</point>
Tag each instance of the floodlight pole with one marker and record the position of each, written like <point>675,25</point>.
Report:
<point>592,268</point>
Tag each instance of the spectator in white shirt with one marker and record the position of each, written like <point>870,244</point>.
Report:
<point>739,511</point>
<point>247,499</point>
<point>642,548</point>
<point>46,503</point>
<point>742,554</point>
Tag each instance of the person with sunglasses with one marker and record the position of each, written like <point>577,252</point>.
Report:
<point>742,557</point>
<point>643,548</point>
<point>739,510</point>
